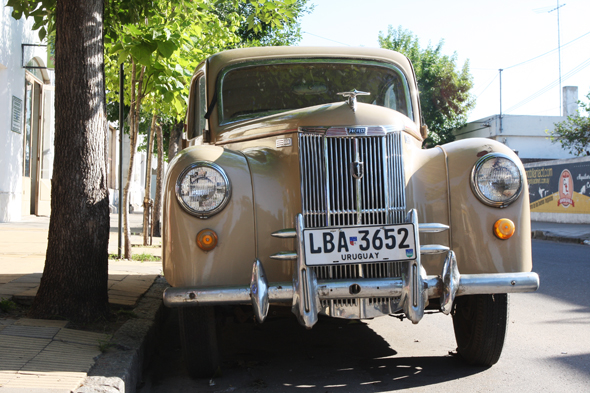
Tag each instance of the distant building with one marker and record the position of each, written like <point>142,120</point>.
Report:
<point>26,120</point>
<point>27,127</point>
<point>524,134</point>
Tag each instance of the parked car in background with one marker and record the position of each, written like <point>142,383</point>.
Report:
<point>306,184</point>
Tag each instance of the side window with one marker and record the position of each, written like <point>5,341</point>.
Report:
<point>199,107</point>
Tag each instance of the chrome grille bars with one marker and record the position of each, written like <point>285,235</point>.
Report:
<point>349,180</point>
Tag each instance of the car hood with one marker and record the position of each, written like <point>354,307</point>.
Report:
<point>329,115</point>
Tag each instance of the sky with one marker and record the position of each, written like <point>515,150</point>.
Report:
<point>490,34</point>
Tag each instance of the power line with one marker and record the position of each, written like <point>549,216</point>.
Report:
<point>492,81</point>
<point>324,38</point>
<point>545,89</point>
<point>546,53</point>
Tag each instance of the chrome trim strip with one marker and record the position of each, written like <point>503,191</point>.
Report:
<point>247,138</point>
<point>284,256</point>
<point>285,233</point>
<point>433,227</point>
<point>433,249</point>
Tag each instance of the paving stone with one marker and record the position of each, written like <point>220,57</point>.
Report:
<point>48,381</point>
<point>41,322</point>
<point>6,322</point>
<point>6,278</point>
<point>117,277</point>
<point>81,337</point>
<point>23,343</point>
<point>30,331</point>
<point>29,278</point>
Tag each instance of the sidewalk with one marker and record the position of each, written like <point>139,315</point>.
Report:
<point>568,233</point>
<point>50,356</point>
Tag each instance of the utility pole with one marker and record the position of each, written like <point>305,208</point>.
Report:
<point>559,53</point>
<point>500,70</point>
<point>121,129</point>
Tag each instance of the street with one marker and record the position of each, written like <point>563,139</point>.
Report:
<point>547,346</point>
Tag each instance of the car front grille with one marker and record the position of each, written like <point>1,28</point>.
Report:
<point>333,197</point>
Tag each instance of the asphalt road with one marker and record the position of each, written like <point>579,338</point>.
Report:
<point>547,348</point>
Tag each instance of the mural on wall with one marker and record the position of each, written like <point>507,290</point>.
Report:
<point>563,188</point>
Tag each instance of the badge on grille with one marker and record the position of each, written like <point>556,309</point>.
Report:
<point>356,130</point>
<point>358,169</point>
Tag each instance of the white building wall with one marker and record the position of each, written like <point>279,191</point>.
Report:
<point>12,83</point>
<point>524,134</point>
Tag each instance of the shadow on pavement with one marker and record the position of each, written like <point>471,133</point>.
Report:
<point>282,356</point>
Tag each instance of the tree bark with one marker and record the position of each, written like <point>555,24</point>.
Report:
<point>133,134</point>
<point>156,222</point>
<point>148,182</point>
<point>174,145</point>
<point>74,282</point>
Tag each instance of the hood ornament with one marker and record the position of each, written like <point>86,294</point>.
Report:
<point>351,95</point>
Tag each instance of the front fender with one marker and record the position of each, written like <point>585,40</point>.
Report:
<point>230,263</point>
<point>439,189</point>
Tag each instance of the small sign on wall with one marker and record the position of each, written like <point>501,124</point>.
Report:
<point>17,114</point>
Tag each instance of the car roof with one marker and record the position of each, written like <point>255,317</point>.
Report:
<point>219,61</point>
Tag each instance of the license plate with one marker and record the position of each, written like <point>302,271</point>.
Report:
<point>382,243</point>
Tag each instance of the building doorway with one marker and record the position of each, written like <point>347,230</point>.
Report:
<point>37,143</point>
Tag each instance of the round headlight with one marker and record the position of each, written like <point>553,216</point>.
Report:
<point>496,180</point>
<point>203,189</point>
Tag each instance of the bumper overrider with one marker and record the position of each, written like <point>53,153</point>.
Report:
<point>305,292</point>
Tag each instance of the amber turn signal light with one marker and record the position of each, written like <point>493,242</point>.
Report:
<point>207,240</point>
<point>504,228</point>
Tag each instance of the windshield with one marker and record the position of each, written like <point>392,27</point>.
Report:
<point>263,89</point>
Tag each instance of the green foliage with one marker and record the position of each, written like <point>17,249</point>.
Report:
<point>266,34</point>
<point>145,257</point>
<point>574,132</point>
<point>7,305</point>
<point>444,87</point>
<point>168,38</point>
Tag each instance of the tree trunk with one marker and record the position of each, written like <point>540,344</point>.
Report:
<point>174,145</point>
<point>74,282</point>
<point>156,222</point>
<point>133,133</point>
<point>148,183</point>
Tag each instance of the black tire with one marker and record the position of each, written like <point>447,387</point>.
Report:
<point>198,340</point>
<point>480,323</point>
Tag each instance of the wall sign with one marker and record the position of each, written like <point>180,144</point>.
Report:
<point>17,114</point>
<point>560,188</point>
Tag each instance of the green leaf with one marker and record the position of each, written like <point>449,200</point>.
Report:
<point>123,56</point>
<point>116,48</point>
<point>142,53</point>
<point>166,48</point>
<point>134,30</point>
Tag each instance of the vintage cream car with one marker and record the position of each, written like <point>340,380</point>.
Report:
<point>306,184</point>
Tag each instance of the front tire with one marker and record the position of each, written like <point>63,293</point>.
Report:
<point>480,323</point>
<point>198,340</point>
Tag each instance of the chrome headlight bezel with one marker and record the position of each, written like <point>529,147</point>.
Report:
<point>226,194</point>
<point>481,195</point>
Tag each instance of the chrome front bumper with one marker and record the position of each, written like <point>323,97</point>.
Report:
<point>305,292</point>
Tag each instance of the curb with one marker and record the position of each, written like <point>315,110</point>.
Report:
<point>546,235</point>
<point>120,368</point>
